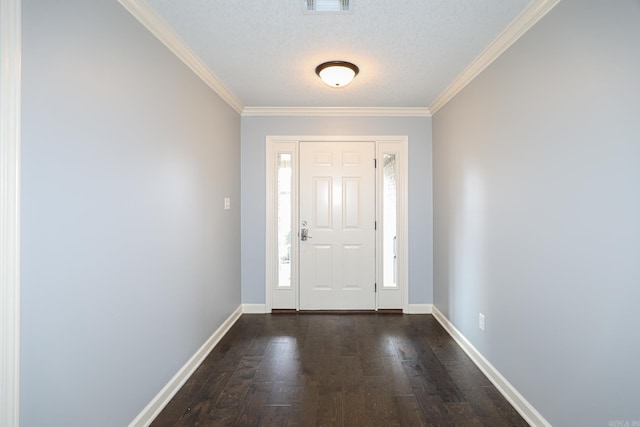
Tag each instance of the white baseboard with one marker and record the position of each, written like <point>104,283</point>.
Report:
<point>526,410</point>
<point>254,308</point>
<point>151,411</point>
<point>420,309</point>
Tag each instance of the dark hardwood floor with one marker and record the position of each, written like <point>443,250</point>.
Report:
<point>338,370</point>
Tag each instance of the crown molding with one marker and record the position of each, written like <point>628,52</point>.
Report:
<point>337,111</point>
<point>141,10</point>
<point>518,27</point>
<point>10,143</point>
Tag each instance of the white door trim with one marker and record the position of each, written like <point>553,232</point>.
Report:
<point>274,145</point>
<point>10,124</point>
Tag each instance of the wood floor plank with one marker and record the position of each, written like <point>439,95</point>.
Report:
<point>351,373</point>
<point>276,416</point>
<point>253,407</point>
<point>279,363</point>
<point>466,375</point>
<point>419,377</point>
<point>222,417</point>
<point>383,406</point>
<point>338,370</point>
<point>258,346</point>
<point>305,406</point>
<point>357,410</point>
<point>397,381</point>
<point>410,411</point>
<point>349,346</point>
<point>404,347</point>
<point>432,405</point>
<point>284,394</point>
<point>507,412</point>
<point>171,413</point>
<point>197,411</point>
<point>438,374</point>
<point>330,410</point>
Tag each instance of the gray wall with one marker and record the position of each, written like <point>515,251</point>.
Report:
<point>536,213</point>
<point>129,261</point>
<point>254,132</point>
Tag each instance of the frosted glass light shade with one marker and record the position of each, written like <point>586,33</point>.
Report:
<point>337,73</point>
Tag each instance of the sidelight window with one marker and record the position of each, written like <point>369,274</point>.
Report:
<point>389,223</point>
<point>284,219</point>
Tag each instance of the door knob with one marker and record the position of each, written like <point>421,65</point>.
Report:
<point>304,234</point>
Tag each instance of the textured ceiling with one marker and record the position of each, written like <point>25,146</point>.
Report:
<point>408,51</point>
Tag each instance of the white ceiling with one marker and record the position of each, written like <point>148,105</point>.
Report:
<point>409,51</point>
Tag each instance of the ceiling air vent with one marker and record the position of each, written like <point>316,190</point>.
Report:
<point>327,6</point>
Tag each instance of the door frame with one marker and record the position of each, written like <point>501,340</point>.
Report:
<point>396,297</point>
<point>10,148</point>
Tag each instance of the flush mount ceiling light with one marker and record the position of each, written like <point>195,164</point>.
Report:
<point>337,73</point>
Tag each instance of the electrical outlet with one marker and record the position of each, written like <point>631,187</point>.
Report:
<point>227,203</point>
<point>481,322</point>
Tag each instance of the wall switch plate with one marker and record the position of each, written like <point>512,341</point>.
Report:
<point>481,322</point>
<point>227,203</point>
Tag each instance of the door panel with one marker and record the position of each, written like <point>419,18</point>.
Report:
<point>322,204</point>
<point>337,207</point>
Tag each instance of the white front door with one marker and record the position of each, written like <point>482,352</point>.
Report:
<point>337,210</point>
